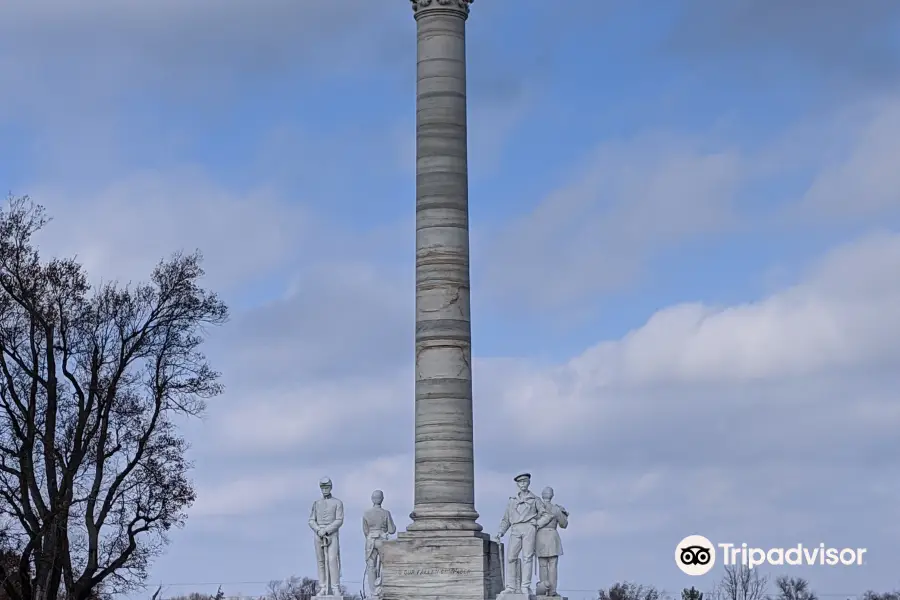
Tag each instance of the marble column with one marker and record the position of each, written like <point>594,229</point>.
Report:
<point>444,469</point>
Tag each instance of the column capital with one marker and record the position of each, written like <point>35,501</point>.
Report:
<point>460,7</point>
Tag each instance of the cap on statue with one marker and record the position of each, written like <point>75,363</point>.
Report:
<point>522,476</point>
<point>325,482</point>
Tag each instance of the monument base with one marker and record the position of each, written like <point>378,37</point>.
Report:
<point>504,595</point>
<point>331,597</point>
<point>436,565</point>
<point>540,597</point>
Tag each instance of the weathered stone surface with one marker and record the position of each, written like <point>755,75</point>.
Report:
<point>443,553</point>
<point>459,6</point>
<point>539,597</point>
<point>462,565</point>
<point>516,596</point>
<point>444,471</point>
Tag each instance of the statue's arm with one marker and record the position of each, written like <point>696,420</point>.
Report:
<point>312,518</point>
<point>365,527</point>
<point>338,518</point>
<point>544,519</point>
<point>392,529</point>
<point>562,517</point>
<point>544,516</point>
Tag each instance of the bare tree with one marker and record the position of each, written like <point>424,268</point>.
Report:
<point>299,588</point>
<point>10,564</point>
<point>293,588</point>
<point>870,595</point>
<point>219,595</point>
<point>630,591</point>
<point>93,381</point>
<point>793,588</point>
<point>740,582</point>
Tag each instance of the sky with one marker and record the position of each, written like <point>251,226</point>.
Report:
<point>685,246</point>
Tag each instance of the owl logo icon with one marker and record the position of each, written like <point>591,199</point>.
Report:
<point>695,555</point>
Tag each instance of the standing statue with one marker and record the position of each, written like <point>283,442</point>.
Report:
<point>548,546</point>
<point>325,519</point>
<point>378,525</point>
<point>520,519</point>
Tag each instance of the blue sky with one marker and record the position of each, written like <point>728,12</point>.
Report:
<point>685,238</point>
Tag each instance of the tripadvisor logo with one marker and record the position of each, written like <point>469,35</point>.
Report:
<point>696,555</point>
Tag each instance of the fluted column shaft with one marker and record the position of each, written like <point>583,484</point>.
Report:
<point>444,468</point>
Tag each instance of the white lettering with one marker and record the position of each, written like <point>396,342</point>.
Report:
<point>797,552</point>
<point>726,553</point>
<point>757,557</point>
<point>798,555</point>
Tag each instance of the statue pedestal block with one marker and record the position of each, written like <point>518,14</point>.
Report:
<point>504,595</point>
<point>331,597</point>
<point>436,565</point>
<point>539,597</point>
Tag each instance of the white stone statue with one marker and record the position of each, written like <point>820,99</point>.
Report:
<point>548,546</point>
<point>520,519</point>
<point>325,519</point>
<point>378,526</point>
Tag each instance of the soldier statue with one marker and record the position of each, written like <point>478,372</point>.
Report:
<point>325,519</point>
<point>377,525</point>
<point>548,546</point>
<point>520,519</point>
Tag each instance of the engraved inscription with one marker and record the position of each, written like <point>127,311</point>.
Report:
<point>436,571</point>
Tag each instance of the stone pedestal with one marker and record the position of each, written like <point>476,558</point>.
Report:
<point>331,597</point>
<point>436,565</point>
<point>516,596</point>
<point>539,597</point>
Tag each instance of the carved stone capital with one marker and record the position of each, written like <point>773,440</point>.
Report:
<point>460,7</point>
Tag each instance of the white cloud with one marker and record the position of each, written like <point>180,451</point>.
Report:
<point>245,494</point>
<point>171,47</point>
<point>125,228</point>
<point>312,415</point>
<point>631,200</point>
<point>593,234</point>
<point>724,400</point>
<point>842,320</point>
<point>846,313</point>
<point>863,181</point>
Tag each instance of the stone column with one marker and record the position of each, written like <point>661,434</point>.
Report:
<point>444,469</point>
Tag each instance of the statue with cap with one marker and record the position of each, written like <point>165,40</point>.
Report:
<point>325,519</point>
<point>378,526</point>
<point>520,520</point>
<point>548,546</point>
